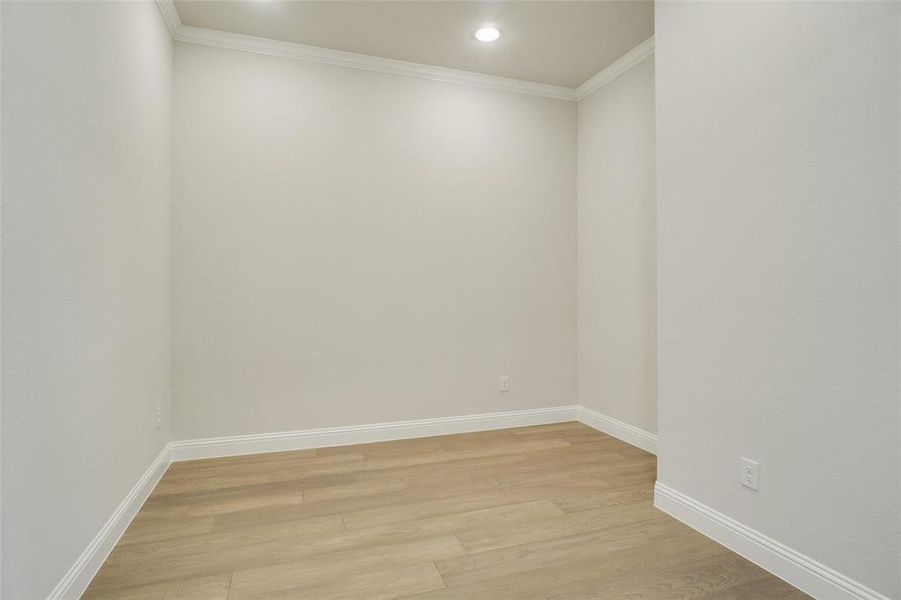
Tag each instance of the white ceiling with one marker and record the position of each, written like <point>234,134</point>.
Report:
<point>556,42</point>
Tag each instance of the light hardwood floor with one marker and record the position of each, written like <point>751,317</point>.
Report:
<point>549,512</point>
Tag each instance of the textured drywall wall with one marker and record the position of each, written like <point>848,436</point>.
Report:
<point>85,295</point>
<point>777,133</point>
<point>617,331</point>
<point>354,247</point>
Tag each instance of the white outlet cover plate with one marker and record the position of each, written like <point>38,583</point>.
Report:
<point>750,474</point>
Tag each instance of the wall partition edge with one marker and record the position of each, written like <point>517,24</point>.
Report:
<point>76,580</point>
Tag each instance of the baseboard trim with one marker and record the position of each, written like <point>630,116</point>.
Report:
<point>79,576</point>
<point>400,430</point>
<point>76,580</point>
<point>623,431</point>
<point>362,434</point>
<point>796,568</point>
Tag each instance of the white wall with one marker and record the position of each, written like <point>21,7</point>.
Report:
<point>354,247</point>
<point>617,315</point>
<point>85,248</point>
<point>778,143</point>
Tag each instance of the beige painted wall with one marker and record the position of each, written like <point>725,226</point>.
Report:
<point>778,153</point>
<point>617,332</point>
<point>354,247</point>
<point>85,294</point>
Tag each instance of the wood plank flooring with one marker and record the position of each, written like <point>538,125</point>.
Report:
<point>558,512</point>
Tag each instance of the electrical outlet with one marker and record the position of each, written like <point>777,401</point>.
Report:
<point>159,417</point>
<point>505,383</point>
<point>750,472</point>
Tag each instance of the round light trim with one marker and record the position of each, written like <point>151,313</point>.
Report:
<point>487,34</point>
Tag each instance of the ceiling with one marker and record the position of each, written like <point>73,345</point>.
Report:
<point>554,42</point>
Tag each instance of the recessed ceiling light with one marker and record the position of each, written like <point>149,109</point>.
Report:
<point>487,34</point>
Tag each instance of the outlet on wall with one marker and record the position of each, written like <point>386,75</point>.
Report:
<point>159,417</point>
<point>750,472</point>
<point>505,383</point>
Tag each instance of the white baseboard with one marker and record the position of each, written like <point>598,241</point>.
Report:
<point>76,580</point>
<point>79,576</point>
<point>800,570</point>
<point>628,433</point>
<point>400,430</point>
<point>361,434</point>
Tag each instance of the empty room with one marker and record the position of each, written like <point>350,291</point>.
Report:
<point>450,300</point>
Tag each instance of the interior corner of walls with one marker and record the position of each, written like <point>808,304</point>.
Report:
<point>621,430</point>
<point>170,16</point>
<point>615,69</point>
<point>614,210</point>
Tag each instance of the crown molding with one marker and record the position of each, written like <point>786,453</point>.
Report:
<point>353,60</point>
<point>170,15</point>
<point>236,41</point>
<point>616,68</point>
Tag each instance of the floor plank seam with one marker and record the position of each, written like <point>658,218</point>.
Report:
<point>437,570</point>
<point>228,593</point>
